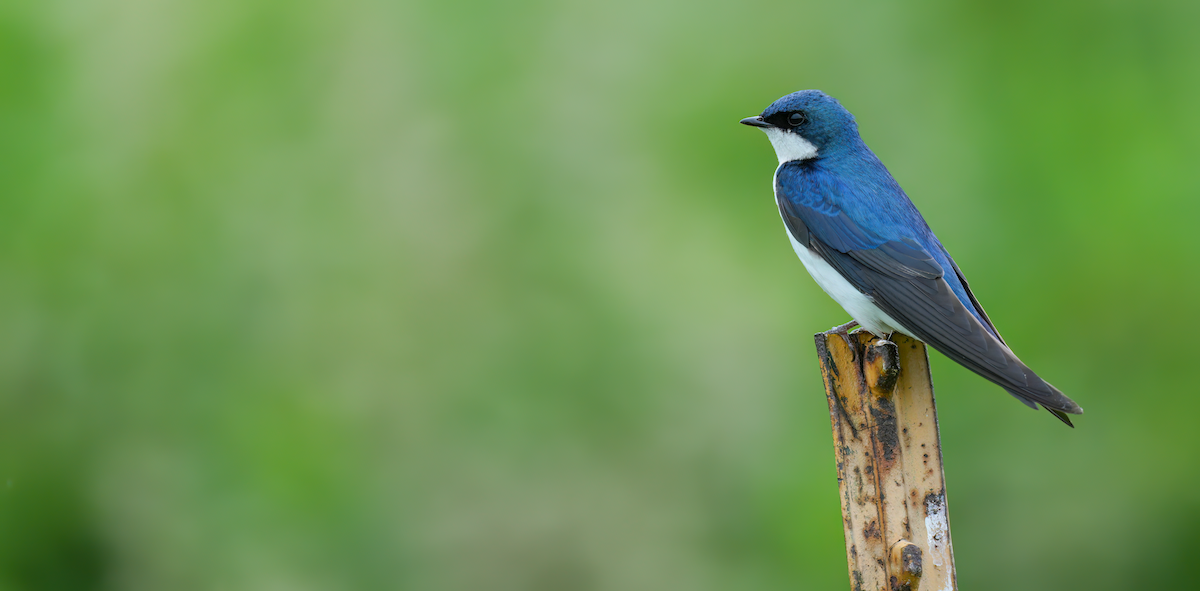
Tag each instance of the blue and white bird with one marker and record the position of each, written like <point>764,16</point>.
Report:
<point>868,247</point>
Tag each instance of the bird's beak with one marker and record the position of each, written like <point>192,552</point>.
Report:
<point>756,121</point>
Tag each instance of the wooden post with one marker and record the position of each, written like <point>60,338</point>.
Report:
<point>889,462</point>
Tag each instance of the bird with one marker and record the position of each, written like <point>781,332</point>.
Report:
<point>864,242</point>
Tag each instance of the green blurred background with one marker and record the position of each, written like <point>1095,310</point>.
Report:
<point>457,296</point>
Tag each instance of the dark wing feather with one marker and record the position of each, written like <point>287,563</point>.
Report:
<point>903,258</point>
<point>979,307</point>
<point>905,281</point>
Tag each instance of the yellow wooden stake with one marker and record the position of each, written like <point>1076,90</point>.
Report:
<point>889,462</point>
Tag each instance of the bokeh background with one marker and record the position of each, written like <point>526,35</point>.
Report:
<point>463,296</point>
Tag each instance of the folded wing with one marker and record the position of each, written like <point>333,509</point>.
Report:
<point>907,283</point>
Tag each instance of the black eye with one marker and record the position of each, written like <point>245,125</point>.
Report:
<point>797,118</point>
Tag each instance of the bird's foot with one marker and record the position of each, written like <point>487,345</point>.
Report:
<point>844,332</point>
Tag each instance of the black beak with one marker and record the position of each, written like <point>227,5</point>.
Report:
<point>756,121</point>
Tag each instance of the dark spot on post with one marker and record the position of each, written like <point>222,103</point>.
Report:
<point>833,370</point>
<point>841,406</point>
<point>872,531</point>
<point>935,502</point>
<point>884,413</point>
<point>858,580</point>
<point>884,355</point>
<point>905,559</point>
<point>910,560</point>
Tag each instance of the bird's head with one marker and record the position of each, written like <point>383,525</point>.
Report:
<point>806,124</point>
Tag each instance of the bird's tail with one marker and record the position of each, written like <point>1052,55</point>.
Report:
<point>1062,416</point>
<point>1040,392</point>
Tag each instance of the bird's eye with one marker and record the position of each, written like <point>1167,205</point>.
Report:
<point>797,119</point>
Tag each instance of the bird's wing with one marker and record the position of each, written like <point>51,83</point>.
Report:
<point>907,283</point>
<point>974,302</point>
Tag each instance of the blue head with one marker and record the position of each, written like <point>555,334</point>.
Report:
<point>807,124</point>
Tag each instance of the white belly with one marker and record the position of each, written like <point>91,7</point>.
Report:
<point>858,305</point>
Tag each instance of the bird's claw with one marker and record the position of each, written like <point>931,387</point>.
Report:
<point>844,332</point>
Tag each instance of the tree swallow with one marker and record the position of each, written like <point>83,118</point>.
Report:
<point>868,247</point>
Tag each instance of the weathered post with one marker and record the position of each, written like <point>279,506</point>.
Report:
<point>889,462</point>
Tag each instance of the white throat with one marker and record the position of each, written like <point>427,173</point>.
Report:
<point>790,146</point>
